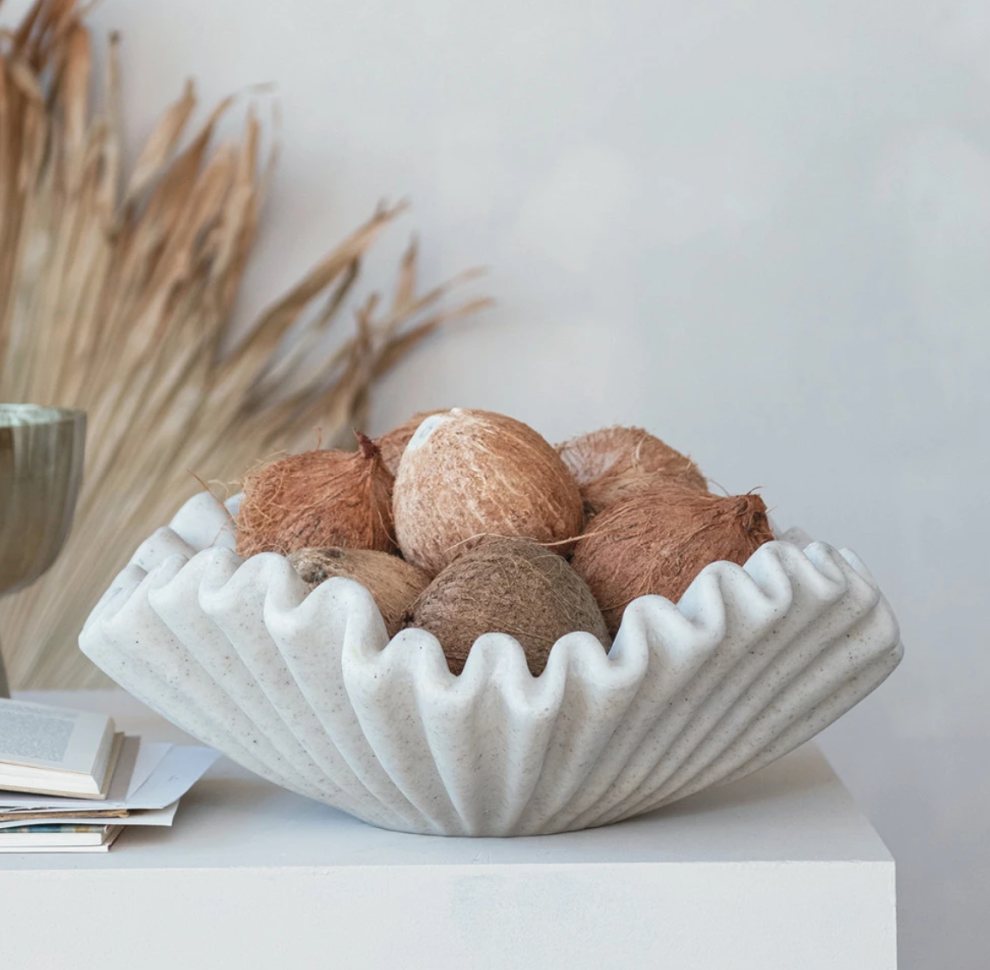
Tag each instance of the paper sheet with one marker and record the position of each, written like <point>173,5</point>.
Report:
<point>152,816</point>
<point>149,757</point>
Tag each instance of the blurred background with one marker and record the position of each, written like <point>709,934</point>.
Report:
<point>761,231</point>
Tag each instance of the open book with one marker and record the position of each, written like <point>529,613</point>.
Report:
<point>56,751</point>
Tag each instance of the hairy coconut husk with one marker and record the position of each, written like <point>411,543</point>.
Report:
<point>613,464</point>
<point>467,474</point>
<point>318,499</point>
<point>512,586</point>
<point>660,539</point>
<point>392,582</point>
<point>393,443</point>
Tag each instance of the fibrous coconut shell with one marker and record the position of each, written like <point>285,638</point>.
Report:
<point>392,582</point>
<point>393,443</point>
<point>318,499</point>
<point>613,464</point>
<point>660,539</point>
<point>467,474</point>
<point>509,586</point>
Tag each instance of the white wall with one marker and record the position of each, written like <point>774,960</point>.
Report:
<point>761,230</point>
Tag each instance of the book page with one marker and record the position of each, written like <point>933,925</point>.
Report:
<point>50,737</point>
<point>172,776</point>
<point>134,767</point>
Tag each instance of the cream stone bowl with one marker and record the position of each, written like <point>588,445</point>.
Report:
<point>305,688</point>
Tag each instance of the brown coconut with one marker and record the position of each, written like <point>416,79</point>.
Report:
<point>660,539</point>
<point>613,464</point>
<point>509,586</point>
<point>318,499</point>
<point>393,583</point>
<point>393,443</point>
<point>467,474</point>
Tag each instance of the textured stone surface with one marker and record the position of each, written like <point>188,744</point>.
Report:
<point>308,692</point>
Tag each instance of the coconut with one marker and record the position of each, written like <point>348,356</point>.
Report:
<point>318,499</point>
<point>467,474</point>
<point>613,464</point>
<point>512,586</point>
<point>392,582</point>
<point>660,539</point>
<point>393,443</point>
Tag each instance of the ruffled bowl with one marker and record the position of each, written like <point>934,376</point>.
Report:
<point>307,690</point>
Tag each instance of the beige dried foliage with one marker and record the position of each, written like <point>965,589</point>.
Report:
<point>116,295</point>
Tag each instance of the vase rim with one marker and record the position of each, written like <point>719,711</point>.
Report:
<point>20,415</point>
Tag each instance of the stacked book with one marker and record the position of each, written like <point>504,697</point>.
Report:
<point>70,782</point>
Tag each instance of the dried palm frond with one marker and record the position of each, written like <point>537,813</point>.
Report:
<point>116,294</point>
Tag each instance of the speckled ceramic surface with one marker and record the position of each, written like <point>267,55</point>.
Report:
<point>307,691</point>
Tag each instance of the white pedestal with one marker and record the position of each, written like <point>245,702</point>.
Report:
<point>776,872</point>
